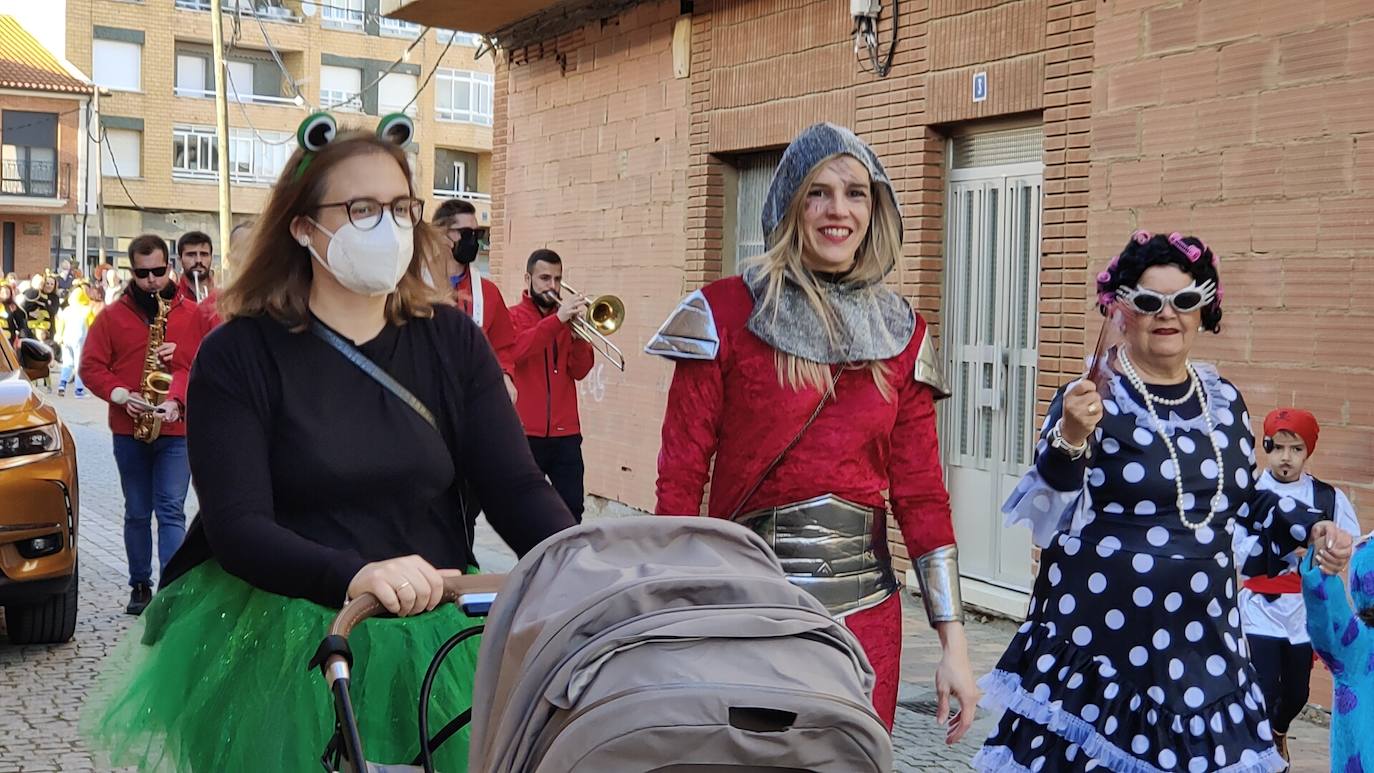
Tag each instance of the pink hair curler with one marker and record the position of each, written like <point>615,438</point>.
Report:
<point>1141,237</point>
<point>1191,250</point>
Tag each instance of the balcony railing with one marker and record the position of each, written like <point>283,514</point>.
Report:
<point>35,179</point>
<point>440,193</point>
<point>247,99</point>
<point>263,8</point>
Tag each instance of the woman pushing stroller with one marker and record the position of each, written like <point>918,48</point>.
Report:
<point>333,422</point>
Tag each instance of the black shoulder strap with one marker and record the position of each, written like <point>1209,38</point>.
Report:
<point>763,476</point>
<point>372,369</point>
<point>1324,498</point>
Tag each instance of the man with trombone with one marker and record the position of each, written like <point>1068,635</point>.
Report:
<point>549,361</point>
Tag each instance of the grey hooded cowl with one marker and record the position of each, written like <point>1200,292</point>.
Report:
<point>875,323</point>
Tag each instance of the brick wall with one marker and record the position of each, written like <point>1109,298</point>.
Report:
<point>32,242</point>
<point>592,162</point>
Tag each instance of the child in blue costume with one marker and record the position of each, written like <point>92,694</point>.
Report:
<point>1344,639</point>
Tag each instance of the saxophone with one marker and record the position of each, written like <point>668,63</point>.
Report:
<point>154,383</point>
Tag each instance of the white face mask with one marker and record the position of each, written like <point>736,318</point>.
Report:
<point>367,262</point>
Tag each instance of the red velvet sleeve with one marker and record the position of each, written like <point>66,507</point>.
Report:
<point>920,501</point>
<point>690,430</point>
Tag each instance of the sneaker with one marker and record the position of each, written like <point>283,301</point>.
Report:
<point>139,598</point>
<point>62,391</point>
<point>80,393</point>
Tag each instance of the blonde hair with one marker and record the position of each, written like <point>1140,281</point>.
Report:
<point>274,276</point>
<point>782,263</point>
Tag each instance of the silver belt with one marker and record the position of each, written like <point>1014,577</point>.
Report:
<point>834,548</point>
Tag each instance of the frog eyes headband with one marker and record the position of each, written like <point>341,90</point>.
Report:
<point>318,130</point>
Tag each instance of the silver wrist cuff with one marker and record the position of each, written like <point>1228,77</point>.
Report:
<point>937,572</point>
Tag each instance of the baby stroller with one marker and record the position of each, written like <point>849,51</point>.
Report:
<point>666,645</point>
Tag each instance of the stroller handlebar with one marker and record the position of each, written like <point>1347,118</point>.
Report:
<point>367,605</point>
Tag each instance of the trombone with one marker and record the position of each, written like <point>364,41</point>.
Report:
<point>605,314</point>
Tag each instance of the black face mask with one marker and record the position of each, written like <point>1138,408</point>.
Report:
<point>465,249</point>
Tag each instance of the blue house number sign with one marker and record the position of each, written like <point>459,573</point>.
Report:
<point>980,86</point>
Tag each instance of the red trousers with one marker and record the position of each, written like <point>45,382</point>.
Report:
<point>879,630</point>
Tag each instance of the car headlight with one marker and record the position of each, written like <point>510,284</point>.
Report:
<point>17,444</point>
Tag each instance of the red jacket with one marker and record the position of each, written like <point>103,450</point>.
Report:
<point>496,323</point>
<point>207,306</point>
<point>732,408</point>
<point>549,360</point>
<point>115,346</point>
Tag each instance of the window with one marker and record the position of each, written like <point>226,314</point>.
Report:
<point>455,172</point>
<point>121,154</point>
<point>752,175</point>
<point>458,38</point>
<point>395,92</point>
<point>343,13</point>
<point>117,65</point>
<point>193,77</point>
<point>260,157</point>
<point>463,96</point>
<point>253,157</point>
<point>28,156</point>
<point>341,87</point>
<point>399,28</point>
<point>193,152</point>
<point>240,81</point>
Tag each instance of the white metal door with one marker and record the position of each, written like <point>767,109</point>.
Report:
<point>990,344</point>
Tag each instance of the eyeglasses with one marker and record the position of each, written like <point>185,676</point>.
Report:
<point>1145,301</point>
<point>366,213</point>
<point>142,273</point>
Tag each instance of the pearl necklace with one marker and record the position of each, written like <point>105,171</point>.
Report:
<point>1129,371</point>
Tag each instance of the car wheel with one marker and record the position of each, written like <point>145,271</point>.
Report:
<point>52,621</point>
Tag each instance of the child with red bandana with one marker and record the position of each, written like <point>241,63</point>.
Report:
<point>1272,610</point>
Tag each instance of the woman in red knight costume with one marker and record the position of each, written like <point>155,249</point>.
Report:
<point>813,386</point>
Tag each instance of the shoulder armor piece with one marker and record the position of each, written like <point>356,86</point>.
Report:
<point>928,369</point>
<point>689,333</point>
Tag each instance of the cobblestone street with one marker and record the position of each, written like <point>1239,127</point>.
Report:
<point>43,688</point>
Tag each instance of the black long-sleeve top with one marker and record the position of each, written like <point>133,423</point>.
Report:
<point>307,469</point>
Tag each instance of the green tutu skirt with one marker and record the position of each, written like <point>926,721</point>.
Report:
<point>214,677</point>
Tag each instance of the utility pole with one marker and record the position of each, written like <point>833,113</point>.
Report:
<point>221,132</point>
<point>99,182</point>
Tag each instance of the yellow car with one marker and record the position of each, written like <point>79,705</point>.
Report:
<point>38,504</point>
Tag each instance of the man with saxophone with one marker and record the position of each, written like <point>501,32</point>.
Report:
<point>549,361</point>
<point>137,358</point>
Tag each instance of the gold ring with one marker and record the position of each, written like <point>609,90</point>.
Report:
<point>405,584</point>
<point>1092,408</point>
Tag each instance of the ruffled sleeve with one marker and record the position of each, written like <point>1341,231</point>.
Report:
<point>1053,494</point>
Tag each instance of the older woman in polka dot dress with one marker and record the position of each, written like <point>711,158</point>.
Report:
<point>1132,657</point>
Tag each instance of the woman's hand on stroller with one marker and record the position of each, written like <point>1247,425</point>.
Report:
<point>954,678</point>
<point>405,586</point>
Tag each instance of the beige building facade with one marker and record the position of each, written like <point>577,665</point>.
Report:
<point>284,60</point>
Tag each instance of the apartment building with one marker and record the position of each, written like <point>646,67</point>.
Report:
<point>284,60</point>
<point>44,109</point>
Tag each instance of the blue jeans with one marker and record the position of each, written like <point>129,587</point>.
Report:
<point>71,358</point>
<point>154,477</point>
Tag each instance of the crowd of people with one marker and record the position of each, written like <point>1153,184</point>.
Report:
<point>375,393</point>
